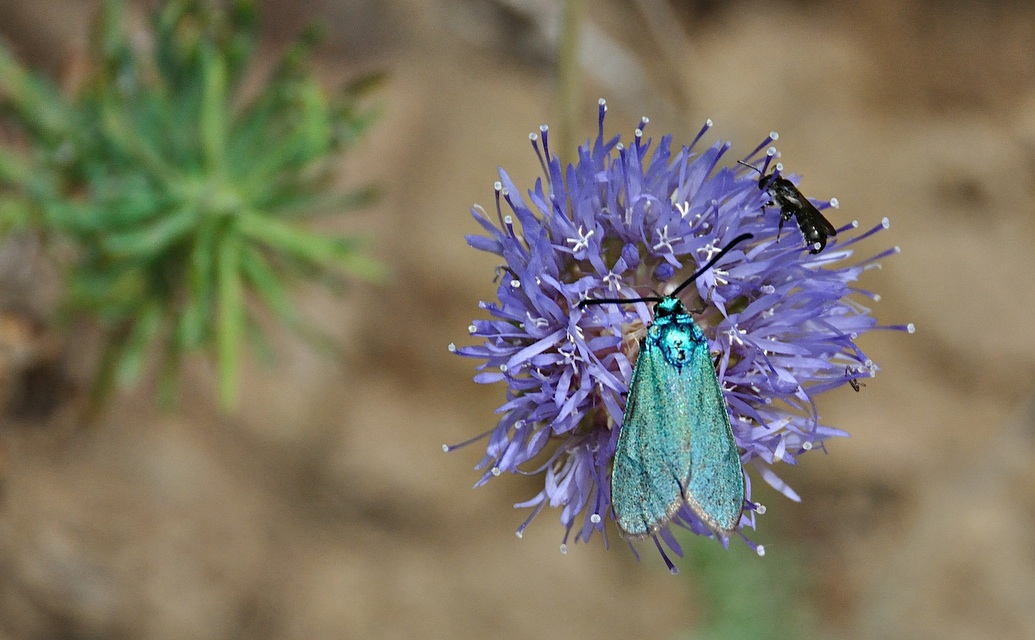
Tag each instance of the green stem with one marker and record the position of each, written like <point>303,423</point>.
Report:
<point>568,76</point>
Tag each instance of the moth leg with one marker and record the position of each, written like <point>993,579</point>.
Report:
<point>682,488</point>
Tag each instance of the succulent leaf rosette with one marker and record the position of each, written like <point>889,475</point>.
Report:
<point>177,186</point>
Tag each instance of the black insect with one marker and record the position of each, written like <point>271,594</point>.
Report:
<point>784,194</point>
<point>852,381</point>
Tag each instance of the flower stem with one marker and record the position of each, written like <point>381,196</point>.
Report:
<point>568,74</point>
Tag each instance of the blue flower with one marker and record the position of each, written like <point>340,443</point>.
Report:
<point>624,221</point>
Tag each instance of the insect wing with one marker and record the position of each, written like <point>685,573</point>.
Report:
<point>715,492</point>
<point>675,443</point>
<point>652,458</point>
<point>814,226</point>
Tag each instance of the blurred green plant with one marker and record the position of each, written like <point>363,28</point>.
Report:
<point>745,597</point>
<point>173,196</point>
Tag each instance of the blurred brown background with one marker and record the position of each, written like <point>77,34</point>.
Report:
<point>326,508</point>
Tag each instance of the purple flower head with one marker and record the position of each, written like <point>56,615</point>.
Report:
<point>628,221</point>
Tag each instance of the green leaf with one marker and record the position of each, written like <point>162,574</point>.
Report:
<point>240,45</point>
<point>15,213</point>
<point>121,133</point>
<point>113,293</point>
<point>250,137</point>
<point>14,169</point>
<point>154,238</point>
<point>301,203</point>
<point>193,328</point>
<point>35,99</point>
<point>314,130</point>
<point>111,46</point>
<point>213,111</point>
<point>268,285</point>
<point>134,352</point>
<point>259,342</point>
<point>318,249</point>
<point>231,320</point>
<point>365,84</point>
<point>168,380</point>
<point>110,36</point>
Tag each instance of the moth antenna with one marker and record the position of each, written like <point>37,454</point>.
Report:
<point>708,265</point>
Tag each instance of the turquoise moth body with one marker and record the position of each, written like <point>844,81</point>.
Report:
<point>676,445</point>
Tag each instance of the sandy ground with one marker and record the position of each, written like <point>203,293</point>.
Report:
<point>326,508</point>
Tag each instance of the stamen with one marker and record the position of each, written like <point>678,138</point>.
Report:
<point>664,240</point>
<point>498,186</point>
<point>671,567</point>
<point>453,447</point>
<point>773,136</point>
<point>582,241</point>
<point>521,529</point>
<point>700,134</point>
<point>542,161</point>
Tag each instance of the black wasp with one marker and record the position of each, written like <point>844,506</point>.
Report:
<point>784,194</point>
